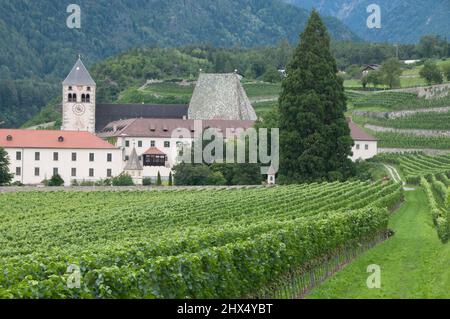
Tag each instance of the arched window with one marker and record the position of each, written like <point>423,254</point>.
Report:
<point>70,97</point>
<point>83,98</point>
<point>88,98</point>
<point>74,97</point>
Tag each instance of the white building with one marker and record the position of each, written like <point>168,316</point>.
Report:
<point>143,139</point>
<point>38,155</point>
<point>366,146</point>
<point>158,143</point>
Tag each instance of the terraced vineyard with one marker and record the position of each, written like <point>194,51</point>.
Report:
<point>180,243</point>
<point>422,165</point>
<point>414,166</point>
<point>391,101</point>
<point>410,141</point>
<point>425,121</point>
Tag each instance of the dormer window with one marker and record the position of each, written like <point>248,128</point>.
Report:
<point>9,138</point>
<point>60,139</point>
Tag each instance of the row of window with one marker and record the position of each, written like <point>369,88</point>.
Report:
<point>152,144</point>
<point>88,88</point>
<point>358,147</point>
<point>85,98</point>
<point>37,156</point>
<point>37,172</point>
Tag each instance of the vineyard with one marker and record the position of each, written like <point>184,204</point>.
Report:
<point>425,121</point>
<point>411,141</point>
<point>181,243</point>
<point>415,166</point>
<point>392,101</point>
<point>438,195</point>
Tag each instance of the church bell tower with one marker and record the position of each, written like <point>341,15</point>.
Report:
<point>78,100</point>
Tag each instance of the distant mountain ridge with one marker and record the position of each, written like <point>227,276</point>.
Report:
<point>403,21</point>
<point>44,45</point>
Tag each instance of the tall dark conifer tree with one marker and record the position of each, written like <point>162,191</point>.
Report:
<point>315,138</point>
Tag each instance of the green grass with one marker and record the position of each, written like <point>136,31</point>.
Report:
<point>262,89</point>
<point>414,263</point>
<point>168,93</point>
<point>409,78</point>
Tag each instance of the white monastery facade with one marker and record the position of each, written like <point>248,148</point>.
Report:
<point>99,141</point>
<point>38,155</point>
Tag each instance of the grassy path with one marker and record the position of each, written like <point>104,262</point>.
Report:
<point>414,263</point>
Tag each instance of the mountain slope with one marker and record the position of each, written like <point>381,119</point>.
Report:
<point>403,21</point>
<point>43,45</point>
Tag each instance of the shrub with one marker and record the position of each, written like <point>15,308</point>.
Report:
<point>123,180</point>
<point>85,183</point>
<point>103,182</point>
<point>147,181</point>
<point>446,70</point>
<point>170,179</point>
<point>74,182</point>
<point>158,179</point>
<point>56,180</point>
<point>5,175</point>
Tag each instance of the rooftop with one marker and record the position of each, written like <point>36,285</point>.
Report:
<point>163,128</point>
<point>358,133</point>
<point>220,96</point>
<point>79,75</point>
<point>12,138</point>
<point>107,113</point>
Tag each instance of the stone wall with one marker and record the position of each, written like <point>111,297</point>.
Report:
<point>431,152</point>
<point>428,92</point>
<point>399,114</point>
<point>431,133</point>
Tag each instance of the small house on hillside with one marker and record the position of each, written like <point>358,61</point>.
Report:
<point>366,146</point>
<point>369,68</point>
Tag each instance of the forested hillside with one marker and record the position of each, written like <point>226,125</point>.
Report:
<point>37,46</point>
<point>44,45</point>
<point>403,21</point>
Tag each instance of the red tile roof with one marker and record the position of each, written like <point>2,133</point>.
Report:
<point>11,138</point>
<point>154,151</point>
<point>358,134</point>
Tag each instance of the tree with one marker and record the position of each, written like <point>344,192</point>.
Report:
<point>196,175</point>
<point>123,180</point>
<point>56,180</point>
<point>431,73</point>
<point>390,72</point>
<point>158,179</point>
<point>446,70</point>
<point>170,179</point>
<point>374,78</point>
<point>272,75</point>
<point>5,176</point>
<point>364,81</point>
<point>315,138</point>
